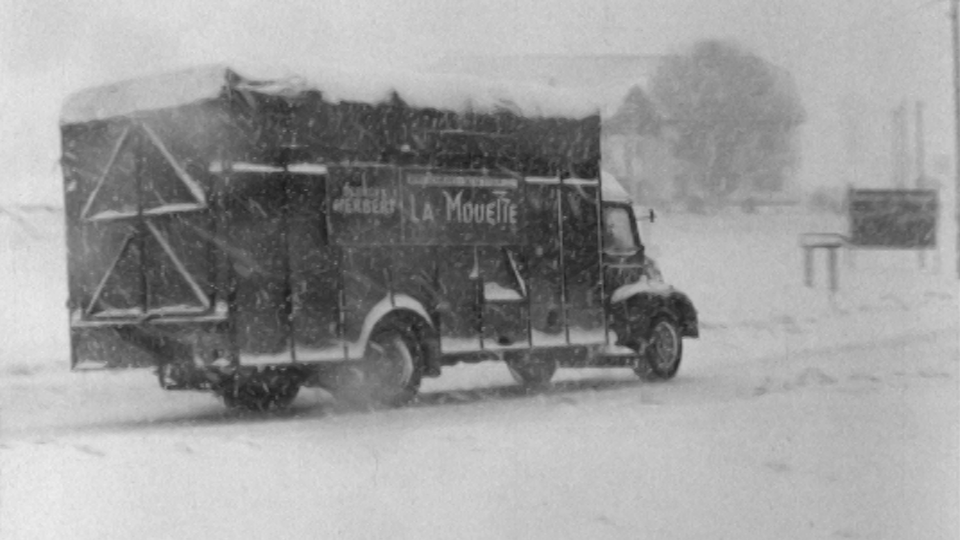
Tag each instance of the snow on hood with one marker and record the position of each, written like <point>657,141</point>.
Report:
<point>643,286</point>
<point>458,93</point>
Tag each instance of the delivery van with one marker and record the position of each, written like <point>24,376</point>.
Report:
<point>250,236</point>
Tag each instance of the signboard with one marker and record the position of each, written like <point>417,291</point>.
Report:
<point>460,209</point>
<point>363,205</point>
<point>893,218</point>
<point>377,206</point>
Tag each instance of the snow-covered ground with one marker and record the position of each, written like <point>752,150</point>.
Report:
<point>798,414</point>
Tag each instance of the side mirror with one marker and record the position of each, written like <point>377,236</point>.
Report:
<point>653,215</point>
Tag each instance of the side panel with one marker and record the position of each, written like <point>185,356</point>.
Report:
<point>582,264</point>
<point>314,271</point>
<point>287,291</point>
<point>543,265</point>
<point>459,306</point>
<point>256,239</point>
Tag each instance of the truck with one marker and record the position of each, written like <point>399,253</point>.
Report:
<point>250,235</point>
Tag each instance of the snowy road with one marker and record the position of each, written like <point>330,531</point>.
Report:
<point>850,442</point>
<point>797,415</point>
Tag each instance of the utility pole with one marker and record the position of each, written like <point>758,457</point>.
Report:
<point>920,152</point>
<point>898,146</point>
<point>955,23</point>
<point>920,149</point>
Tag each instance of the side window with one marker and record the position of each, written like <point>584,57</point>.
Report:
<point>618,235</point>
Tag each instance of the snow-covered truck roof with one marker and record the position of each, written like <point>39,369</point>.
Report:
<point>455,93</point>
<point>211,114</point>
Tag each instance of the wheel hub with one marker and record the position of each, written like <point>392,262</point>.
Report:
<point>665,345</point>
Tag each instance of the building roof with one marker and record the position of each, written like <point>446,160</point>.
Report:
<point>636,114</point>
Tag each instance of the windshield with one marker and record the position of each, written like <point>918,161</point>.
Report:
<point>618,231</point>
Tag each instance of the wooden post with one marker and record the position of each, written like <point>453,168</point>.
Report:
<point>832,268</point>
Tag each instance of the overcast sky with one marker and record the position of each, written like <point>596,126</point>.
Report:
<point>872,53</point>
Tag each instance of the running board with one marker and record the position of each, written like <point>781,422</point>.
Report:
<point>570,356</point>
<point>601,361</point>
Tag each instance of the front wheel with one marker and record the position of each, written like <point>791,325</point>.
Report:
<point>662,356</point>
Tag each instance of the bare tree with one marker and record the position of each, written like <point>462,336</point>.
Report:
<point>734,117</point>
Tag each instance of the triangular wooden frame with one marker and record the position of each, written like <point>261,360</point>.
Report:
<point>202,299</point>
<point>199,201</point>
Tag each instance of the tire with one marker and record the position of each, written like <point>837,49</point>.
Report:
<point>532,372</point>
<point>662,356</point>
<point>284,397</point>
<point>247,397</point>
<point>390,373</point>
<point>261,391</point>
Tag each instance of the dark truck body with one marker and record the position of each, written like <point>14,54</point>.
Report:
<point>217,224</point>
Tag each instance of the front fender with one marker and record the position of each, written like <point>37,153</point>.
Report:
<point>641,301</point>
<point>686,313</point>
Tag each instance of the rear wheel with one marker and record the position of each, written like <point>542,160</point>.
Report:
<point>661,359</point>
<point>261,390</point>
<point>389,373</point>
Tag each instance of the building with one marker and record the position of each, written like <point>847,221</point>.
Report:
<point>635,140</point>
